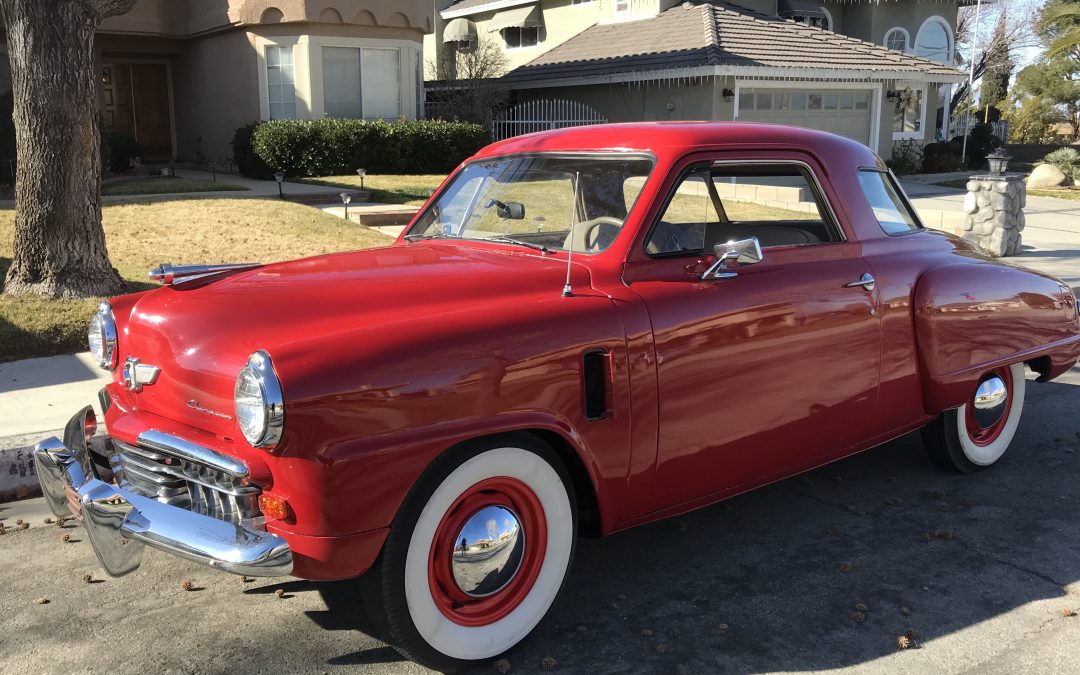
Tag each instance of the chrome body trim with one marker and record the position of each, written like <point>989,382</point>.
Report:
<point>136,375</point>
<point>119,522</point>
<point>108,336</point>
<point>168,274</point>
<point>866,281</point>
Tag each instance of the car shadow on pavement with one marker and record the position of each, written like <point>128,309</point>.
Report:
<point>828,569</point>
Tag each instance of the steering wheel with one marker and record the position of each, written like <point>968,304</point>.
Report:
<point>593,233</point>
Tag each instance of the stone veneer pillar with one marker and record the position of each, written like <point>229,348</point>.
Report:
<point>994,213</point>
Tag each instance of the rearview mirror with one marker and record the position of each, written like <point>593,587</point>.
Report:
<point>732,254</point>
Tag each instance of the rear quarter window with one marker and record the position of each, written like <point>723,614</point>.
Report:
<point>891,209</point>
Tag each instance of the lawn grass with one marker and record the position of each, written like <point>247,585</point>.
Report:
<point>162,185</point>
<point>141,235</point>
<point>1070,193</point>
<point>411,190</point>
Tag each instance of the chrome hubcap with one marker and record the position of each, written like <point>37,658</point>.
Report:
<point>991,399</point>
<point>487,551</point>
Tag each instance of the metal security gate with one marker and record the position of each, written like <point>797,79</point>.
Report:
<point>541,115</point>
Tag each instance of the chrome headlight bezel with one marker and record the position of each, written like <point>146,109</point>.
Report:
<point>104,325</point>
<point>259,371</point>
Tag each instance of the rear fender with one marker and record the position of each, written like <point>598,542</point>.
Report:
<point>975,316</point>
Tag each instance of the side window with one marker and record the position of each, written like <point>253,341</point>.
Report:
<point>777,203</point>
<point>891,210</point>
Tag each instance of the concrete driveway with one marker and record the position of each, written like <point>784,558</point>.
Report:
<point>819,572</point>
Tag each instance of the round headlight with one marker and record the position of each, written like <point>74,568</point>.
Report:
<point>260,408</point>
<point>101,337</point>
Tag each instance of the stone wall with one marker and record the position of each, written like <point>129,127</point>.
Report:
<point>994,213</point>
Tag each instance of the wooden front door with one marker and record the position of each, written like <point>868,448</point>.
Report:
<point>136,103</point>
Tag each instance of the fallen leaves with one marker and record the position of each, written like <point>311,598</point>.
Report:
<point>502,665</point>
<point>187,585</point>
<point>845,566</point>
<point>549,664</point>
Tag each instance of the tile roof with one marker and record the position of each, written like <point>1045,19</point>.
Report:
<point>703,33</point>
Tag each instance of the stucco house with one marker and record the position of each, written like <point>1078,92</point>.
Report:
<point>181,75</point>
<point>877,71</point>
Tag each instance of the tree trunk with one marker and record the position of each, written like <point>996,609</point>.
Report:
<point>59,242</point>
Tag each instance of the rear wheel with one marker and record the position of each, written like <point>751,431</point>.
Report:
<point>976,435</point>
<point>477,553</point>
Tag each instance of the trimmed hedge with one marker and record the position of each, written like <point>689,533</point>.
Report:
<point>332,146</point>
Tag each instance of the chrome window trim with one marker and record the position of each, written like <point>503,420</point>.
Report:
<point>891,177</point>
<point>174,445</point>
<point>828,216</point>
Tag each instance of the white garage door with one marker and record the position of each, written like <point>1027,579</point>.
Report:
<point>841,111</point>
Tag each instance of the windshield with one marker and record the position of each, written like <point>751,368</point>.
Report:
<point>537,200</point>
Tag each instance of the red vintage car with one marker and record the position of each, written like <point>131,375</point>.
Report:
<point>582,331</point>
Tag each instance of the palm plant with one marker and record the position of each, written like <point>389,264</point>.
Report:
<point>1061,21</point>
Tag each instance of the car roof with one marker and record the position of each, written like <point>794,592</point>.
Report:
<point>672,137</point>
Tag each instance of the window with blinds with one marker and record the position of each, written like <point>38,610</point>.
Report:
<point>362,82</point>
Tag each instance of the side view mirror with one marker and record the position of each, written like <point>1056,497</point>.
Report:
<point>730,255</point>
<point>507,210</point>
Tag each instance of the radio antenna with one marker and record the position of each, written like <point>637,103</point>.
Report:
<point>567,291</point>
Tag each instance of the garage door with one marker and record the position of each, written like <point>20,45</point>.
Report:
<point>840,111</point>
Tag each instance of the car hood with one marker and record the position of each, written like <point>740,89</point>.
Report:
<point>200,333</point>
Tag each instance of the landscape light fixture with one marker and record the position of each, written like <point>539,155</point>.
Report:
<point>345,199</point>
<point>361,173</point>
<point>998,160</point>
<point>213,170</point>
<point>279,177</point>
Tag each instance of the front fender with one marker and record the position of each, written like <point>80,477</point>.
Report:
<point>973,316</point>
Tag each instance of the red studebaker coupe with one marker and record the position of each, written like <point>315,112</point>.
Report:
<point>582,331</point>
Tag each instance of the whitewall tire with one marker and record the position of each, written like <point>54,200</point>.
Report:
<point>977,434</point>
<point>477,553</point>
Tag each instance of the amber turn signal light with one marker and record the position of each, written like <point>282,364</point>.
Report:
<point>273,506</point>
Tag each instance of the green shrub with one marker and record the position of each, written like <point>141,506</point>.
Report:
<point>907,157</point>
<point>120,150</point>
<point>942,157</point>
<point>333,146</point>
<point>981,142</point>
<point>247,162</point>
<point>1066,159</point>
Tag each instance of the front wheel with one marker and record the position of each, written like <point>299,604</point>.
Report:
<point>477,553</point>
<point>976,435</point>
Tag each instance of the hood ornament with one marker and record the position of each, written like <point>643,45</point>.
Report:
<point>168,274</point>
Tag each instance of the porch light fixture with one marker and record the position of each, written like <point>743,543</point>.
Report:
<point>998,160</point>
<point>279,177</point>
<point>361,173</point>
<point>729,95</point>
<point>345,199</point>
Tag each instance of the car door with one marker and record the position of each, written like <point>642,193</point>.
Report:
<point>774,367</point>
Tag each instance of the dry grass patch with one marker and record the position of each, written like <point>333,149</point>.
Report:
<point>1070,193</point>
<point>144,234</point>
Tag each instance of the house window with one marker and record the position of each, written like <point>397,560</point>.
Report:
<point>581,2</point>
<point>281,82</point>
<point>622,7</point>
<point>816,19</point>
<point>934,41</point>
<point>525,36</point>
<point>907,112</point>
<point>896,39</point>
<point>361,83</point>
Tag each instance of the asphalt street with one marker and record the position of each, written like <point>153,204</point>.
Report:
<point>823,571</point>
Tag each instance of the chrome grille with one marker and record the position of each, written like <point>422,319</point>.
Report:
<point>178,480</point>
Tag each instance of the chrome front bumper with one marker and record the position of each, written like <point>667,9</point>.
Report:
<point>119,522</point>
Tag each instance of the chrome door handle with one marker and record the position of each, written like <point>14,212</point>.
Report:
<point>866,281</point>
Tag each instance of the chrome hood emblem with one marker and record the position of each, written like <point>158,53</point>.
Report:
<point>168,274</point>
<point>194,405</point>
<point>137,375</point>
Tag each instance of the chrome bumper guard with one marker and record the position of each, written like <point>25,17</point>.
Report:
<point>119,522</point>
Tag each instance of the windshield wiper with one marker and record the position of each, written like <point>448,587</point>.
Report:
<point>511,240</point>
<point>424,235</point>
